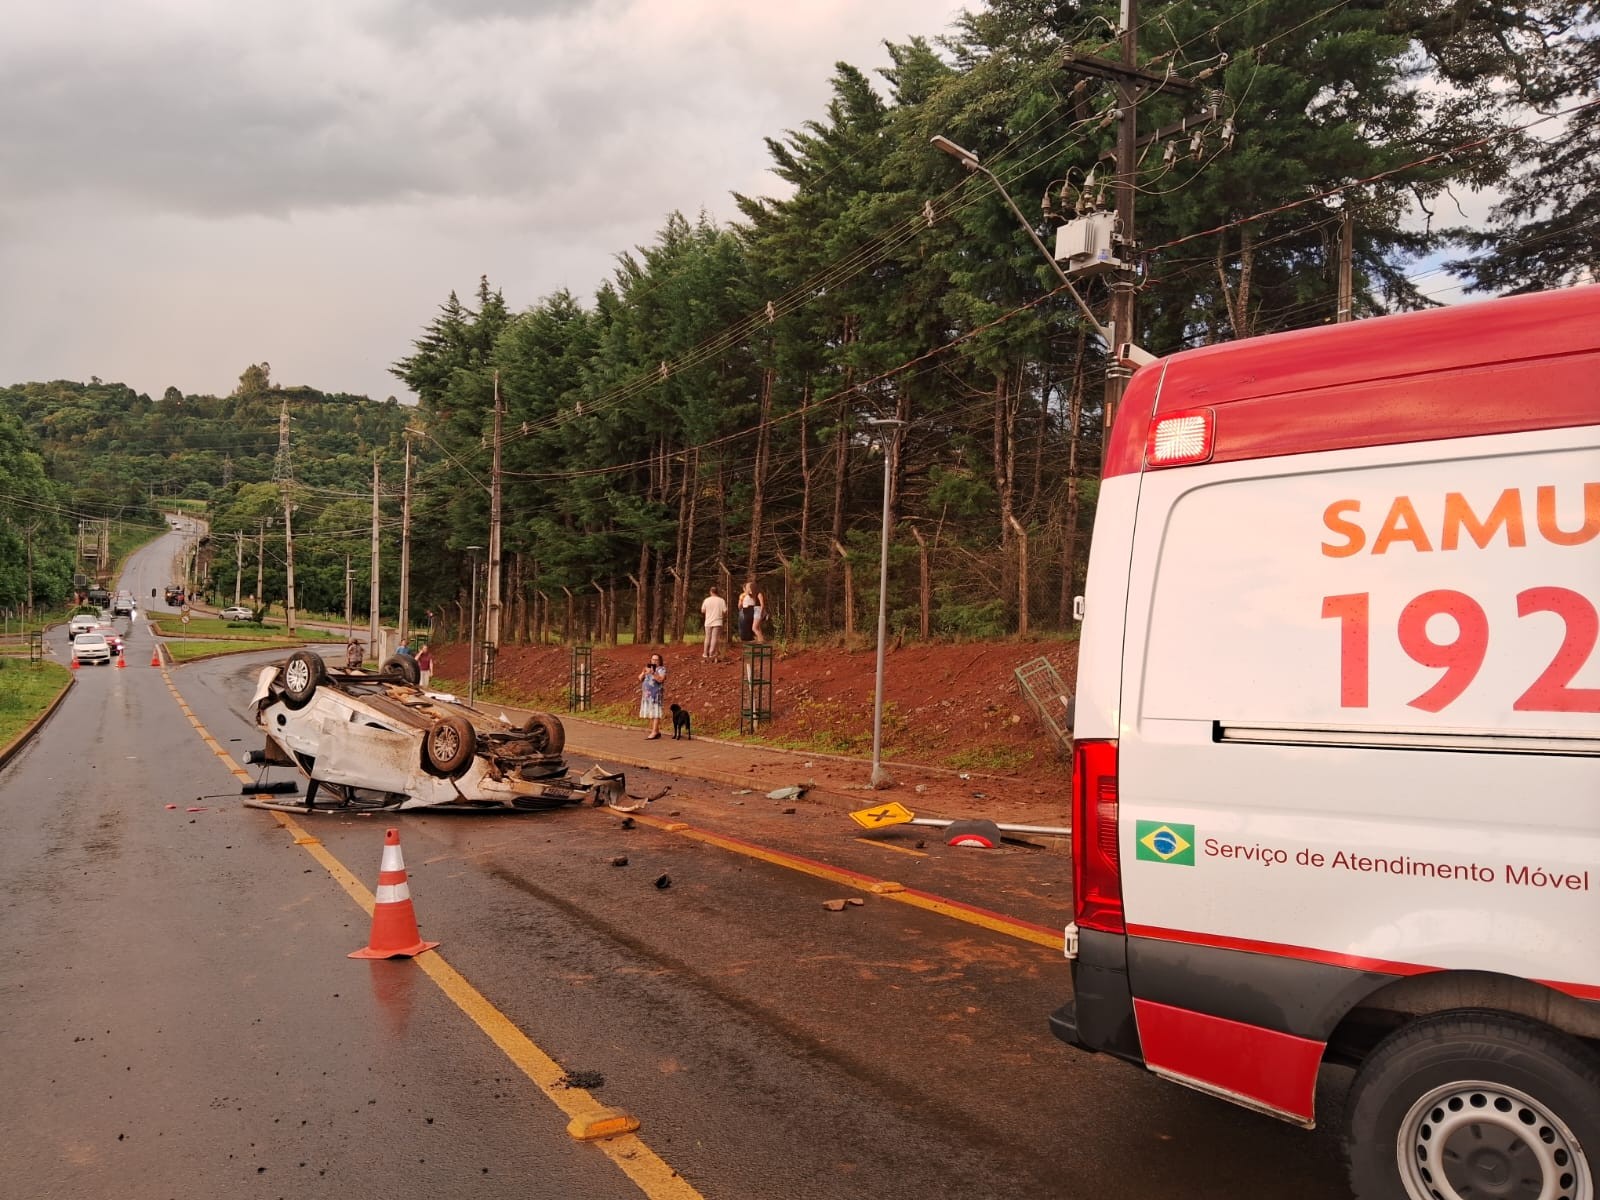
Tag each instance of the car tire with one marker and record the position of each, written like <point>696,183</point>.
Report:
<point>449,745</point>
<point>1453,1104</point>
<point>302,675</point>
<point>545,732</point>
<point>404,668</point>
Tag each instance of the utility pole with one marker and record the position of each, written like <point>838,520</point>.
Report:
<point>1347,233</point>
<point>373,591</point>
<point>1124,282</point>
<point>261,558</point>
<point>491,634</point>
<point>283,470</point>
<point>238,565</point>
<point>1130,81</point>
<point>405,550</point>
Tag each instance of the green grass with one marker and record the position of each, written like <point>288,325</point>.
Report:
<point>26,690</point>
<point>182,651</point>
<point>990,758</point>
<point>214,627</point>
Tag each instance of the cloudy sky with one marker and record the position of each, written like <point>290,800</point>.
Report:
<point>190,186</point>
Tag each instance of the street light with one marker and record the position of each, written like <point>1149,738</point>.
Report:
<point>472,627</point>
<point>879,777</point>
<point>969,160</point>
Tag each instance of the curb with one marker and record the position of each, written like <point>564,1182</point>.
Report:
<point>33,726</point>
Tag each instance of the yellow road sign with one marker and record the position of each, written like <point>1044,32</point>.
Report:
<point>880,815</point>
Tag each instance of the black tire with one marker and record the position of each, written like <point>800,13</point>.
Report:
<point>545,733</point>
<point>303,674</point>
<point>449,746</point>
<point>1476,1101</point>
<point>402,667</point>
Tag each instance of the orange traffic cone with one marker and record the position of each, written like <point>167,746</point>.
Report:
<point>155,659</point>
<point>74,663</point>
<point>121,662</point>
<point>394,923</point>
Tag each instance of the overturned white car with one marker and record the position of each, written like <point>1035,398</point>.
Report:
<point>373,739</point>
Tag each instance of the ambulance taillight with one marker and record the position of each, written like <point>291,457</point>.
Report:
<point>1179,438</point>
<point>1096,867</point>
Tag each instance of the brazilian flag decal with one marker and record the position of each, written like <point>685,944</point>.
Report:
<point>1166,841</point>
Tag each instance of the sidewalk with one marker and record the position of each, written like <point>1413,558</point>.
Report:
<point>837,781</point>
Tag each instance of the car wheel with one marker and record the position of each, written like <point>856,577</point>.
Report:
<point>302,675</point>
<point>545,733</point>
<point>404,668</point>
<point>449,745</point>
<point>1475,1104</point>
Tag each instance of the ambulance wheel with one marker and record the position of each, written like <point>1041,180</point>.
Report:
<point>1475,1104</point>
<point>449,745</point>
<point>302,675</point>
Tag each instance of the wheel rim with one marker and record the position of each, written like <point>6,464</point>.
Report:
<point>1473,1139</point>
<point>446,743</point>
<point>296,675</point>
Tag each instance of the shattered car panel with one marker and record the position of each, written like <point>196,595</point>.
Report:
<point>374,738</point>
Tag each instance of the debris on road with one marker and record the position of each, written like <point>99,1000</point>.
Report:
<point>627,822</point>
<point>620,860</point>
<point>983,835</point>
<point>855,901</point>
<point>663,881</point>
<point>587,1080</point>
<point>787,793</point>
<point>790,811</point>
<point>833,905</point>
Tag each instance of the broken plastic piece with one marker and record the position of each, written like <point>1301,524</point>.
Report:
<point>786,793</point>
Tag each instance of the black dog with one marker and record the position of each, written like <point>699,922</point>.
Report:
<point>680,722</point>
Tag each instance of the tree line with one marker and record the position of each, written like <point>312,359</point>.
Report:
<point>735,398</point>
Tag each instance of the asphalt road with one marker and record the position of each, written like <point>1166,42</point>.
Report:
<point>180,1018</point>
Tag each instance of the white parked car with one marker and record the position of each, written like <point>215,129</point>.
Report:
<point>91,648</point>
<point>374,739</point>
<point>237,613</point>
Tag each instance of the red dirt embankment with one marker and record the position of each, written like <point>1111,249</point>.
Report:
<point>956,706</point>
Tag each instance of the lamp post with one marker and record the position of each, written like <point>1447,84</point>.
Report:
<point>891,443</point>
<point>472,628</point>
<point>969,160</point>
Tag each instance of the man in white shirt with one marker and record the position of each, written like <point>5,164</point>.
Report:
<point>715,611</point>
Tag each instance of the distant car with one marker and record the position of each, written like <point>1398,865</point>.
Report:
<point>80,624</point>
<point>91,648</point>
<point>237,613</point>
<point>376,732</point>
<point>123,605</point>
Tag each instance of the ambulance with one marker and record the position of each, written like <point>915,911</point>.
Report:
<point>1336,757</point>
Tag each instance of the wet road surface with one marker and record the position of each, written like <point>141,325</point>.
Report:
<point>181,1019</point>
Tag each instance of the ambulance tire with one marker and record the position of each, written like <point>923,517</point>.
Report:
<point>1453,1104</point>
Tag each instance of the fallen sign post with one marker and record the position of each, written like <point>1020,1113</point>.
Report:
<point>881,816</point>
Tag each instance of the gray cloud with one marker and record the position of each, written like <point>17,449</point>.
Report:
<point>193,187</point>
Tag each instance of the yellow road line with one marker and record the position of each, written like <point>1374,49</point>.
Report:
<point>866,841</point>
<point>996,922</point>
<point>649,1171</point>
